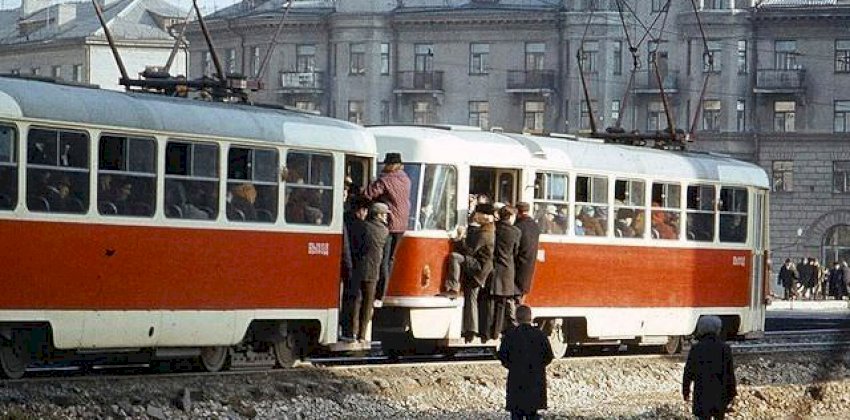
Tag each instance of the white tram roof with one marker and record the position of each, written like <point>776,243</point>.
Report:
<point>53,102</point>
<point>471,146</point>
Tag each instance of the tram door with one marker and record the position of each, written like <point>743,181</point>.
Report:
<point>498,184</point>
<point>760,245</point>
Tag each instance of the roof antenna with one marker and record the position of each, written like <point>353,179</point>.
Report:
<point>125,80</point>
<point>273,41</point>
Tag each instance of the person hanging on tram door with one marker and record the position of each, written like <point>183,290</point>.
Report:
<point>710,368</point>
<point>503,288</point>
<point>393,189</point>
<point>367,247</point>
<point>526,257</point>
<point>525,352</point>
<point>354,234</point>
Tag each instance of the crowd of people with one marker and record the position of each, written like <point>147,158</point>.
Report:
<point>808,279</point>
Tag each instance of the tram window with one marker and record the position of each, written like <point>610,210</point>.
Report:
<point>733,214</point>
<point>126,178</point>
<point>591,205</point>
<point>700,213</point>
<point>551,202</point>
<point>252,185</point>
<point>666,213</point>
<point>309,189</point>
<point>191,180</point>
<point>57,171</point>
<point>414,172</point>
<point>357,170</point>
<point>8,167</point>
<point>629,208</point>
<point>439,198</point>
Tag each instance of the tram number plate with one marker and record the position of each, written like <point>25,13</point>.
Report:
<point>318,248</point>
<point>739,261</point>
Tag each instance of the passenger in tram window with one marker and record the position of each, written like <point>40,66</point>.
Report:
<point>592,225</point>
<point>393,189</point>
<point>367,245</point>
<point>241,205</point>
<point>623,223</point>
<point>59,197</point>
<point>37,154</point>
<point>526,258</point>
<point>504,288</point>
<point>548,223</point>
<point>122,198</point>
<point>661,227</point>
<point>711,369</point>
<point>178,206</point>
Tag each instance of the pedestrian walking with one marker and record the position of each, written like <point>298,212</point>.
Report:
<point>711,370</point>
<point>525,352</point>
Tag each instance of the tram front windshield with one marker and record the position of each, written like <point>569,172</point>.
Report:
<point>433,196</point>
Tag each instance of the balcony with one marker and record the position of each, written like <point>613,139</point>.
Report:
<point>301,82</point>
<point>647,82</point>
<point>418,82</point>
<point>534,81</point>
<point>780,81</point>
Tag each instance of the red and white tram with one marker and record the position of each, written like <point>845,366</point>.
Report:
<point>124,225</point>
<point>637,243</point>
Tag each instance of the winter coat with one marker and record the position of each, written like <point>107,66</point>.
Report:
<point>478,250</point>
<point>807,275</point>
<point>392,189</point>
<point>845,274</point>
<point>710,368</point>
<point>367,250</point>
<point>527,253</point>
<point>525,352</point>
<point>836,282</point>
<point>787,276</point>
<point>504,256</point>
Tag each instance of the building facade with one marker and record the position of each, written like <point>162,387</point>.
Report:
<point>769,82</point>
<point>65,40</point>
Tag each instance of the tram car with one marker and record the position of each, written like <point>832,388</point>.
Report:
<point>168,227</point>
<point>636,243</point>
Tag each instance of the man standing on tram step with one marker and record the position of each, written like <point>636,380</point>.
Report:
<point>367,254</point>
<point>711,370</point>
<point>354,220</point>
<point>525,352</point>
<point>504,257</point>
<point>527,255</point>
<point>393,189</point>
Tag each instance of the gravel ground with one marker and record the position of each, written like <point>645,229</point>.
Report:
<point>783,386</point>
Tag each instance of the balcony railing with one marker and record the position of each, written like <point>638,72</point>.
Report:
<point>533,80</point>
<point>780,80</point>
<point>647,82</point>
<point>419,81</point>
<point>302,81</point>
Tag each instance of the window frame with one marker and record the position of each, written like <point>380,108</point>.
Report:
<point>842,56</point>
<point>592,202</point>
<point>689,211</point>
<point>273,181</point>
<point>479,61</point>
<point>667,206</point>
<point>541,202</point>
<point>385,58</point>
<point>216,212</point>
<point>844,173</point>
<point>636,208</point>
<point>357,59</point>
<point>58,167</point>
<point>844,113</point>
<point>286,185</point>
<point>721,212</point>
<point>779,171</point>
<point>12,165</point>
<point>477,111</point>
<point>783,117</point>
<point>127,171</point>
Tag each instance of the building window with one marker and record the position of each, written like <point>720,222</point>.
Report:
<point>711,59</point>
<point>742,56</point>
<point>422,112</point>
<point>584,118</point>
<point>385,58</point>
<point>656,119</point>
<point>617,62</point>
<point>423,58</point>
<point>207,64</point>
<point>385,112</point>
<point>305,58</point>
<point>478,58</point>
<point>741,115</point>
<point>533,116</point>
<point>35,71</point>
<point>784,113</point>
<point>842,117</point>
<point>534,55</point>
<point>785,55</point>
<point>230,63</point>
<point>479,114</point>
<point>15,72</point>
<point>657,5</point>
<point>57,72</point>
<point>355,112</point>
<point>783,176</point>
<point>615,110</point>
<point>654,48</point>
<point>842,56</point>
<point>77,73</point>
<point>305,105</point>
<point>357,58</point>
<point>255,61</point>
<point>841,176</point>
<point>589,54</point>
<point>711,115</point>
<point>714,4</point>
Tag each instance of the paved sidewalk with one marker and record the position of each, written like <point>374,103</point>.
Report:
<point>809,305</point>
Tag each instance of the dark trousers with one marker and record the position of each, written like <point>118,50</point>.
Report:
<point>523,415</point>
<point>347,316</point>
<point>504,314</point>
<point>387,263</point>
<point>362,313</point>
<point>470,308</point>
<point>454,272</point>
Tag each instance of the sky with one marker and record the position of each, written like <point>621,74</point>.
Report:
<point>207,6</point>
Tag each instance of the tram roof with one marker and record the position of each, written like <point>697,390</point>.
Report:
<point>22,98</point>
<point>481,148</point>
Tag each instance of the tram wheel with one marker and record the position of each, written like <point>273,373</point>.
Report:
<point>287,352</point>
<point>214,359</point>
<point>14,356</point>
<point>673,346</point>
<point>554,329</point>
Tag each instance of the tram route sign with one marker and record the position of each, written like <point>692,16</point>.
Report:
<point>318,248</point>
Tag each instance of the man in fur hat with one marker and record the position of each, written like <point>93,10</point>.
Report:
<point>367,251</point>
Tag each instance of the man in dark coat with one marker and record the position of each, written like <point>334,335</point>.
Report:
<point>503,288</point>
<point>354,220</point>
<point>527,254</point>
<point>525,352</point>
<point>787,274</point>
<point>711,370</point>
<point>366,254</point>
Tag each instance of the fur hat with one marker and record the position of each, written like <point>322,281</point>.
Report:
<point>485,208</point>
<point>379,208</point>
<point>709,325</point>
<point>392,157</point>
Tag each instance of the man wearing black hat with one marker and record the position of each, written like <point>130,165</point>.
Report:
<point>393,189</point>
